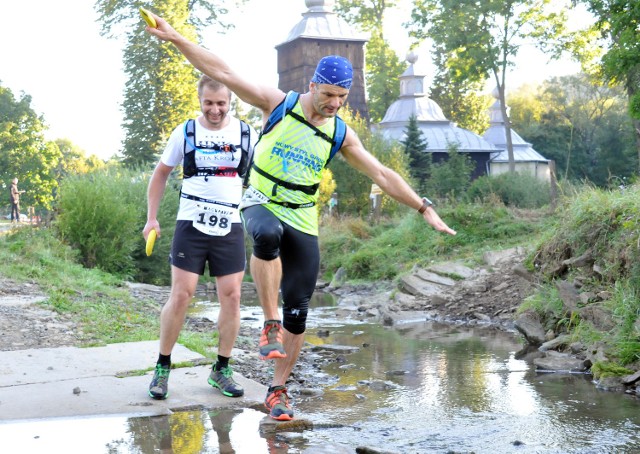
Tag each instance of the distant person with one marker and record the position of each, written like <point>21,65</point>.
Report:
<point>333,204</point>
<point>15,201</point>
<point>278,208</point>
<point>214,150</point>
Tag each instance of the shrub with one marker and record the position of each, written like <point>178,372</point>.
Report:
<point>102,214</point>
<point>519,190</point>
<point>451,177</point>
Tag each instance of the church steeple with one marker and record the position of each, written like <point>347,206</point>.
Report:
<point>414,100</point>
<point>439,132</point>
<point>411,84</point>
<point>527,159</point>
<point>322,32</point>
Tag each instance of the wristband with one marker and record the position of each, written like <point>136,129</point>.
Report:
<point>426,203</point>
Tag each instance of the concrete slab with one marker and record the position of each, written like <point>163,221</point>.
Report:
<point>417,286</point>
<point>452,268</point>
<point>435,278</point>
<point>69,381</point>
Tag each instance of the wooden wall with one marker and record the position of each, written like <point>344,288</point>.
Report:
<point>297,61</point>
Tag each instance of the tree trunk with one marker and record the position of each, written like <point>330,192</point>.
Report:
<point>636,125</point>
<point>631,91</point>
<point>507,128</point>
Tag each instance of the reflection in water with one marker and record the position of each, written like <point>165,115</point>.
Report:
<point>420,388</point>
<point>221,430</point>
<point>462,390</point>
<point>178,432</point>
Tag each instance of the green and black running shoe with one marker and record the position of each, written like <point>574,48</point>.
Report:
<point>159,387</point>
<point>223,380</point>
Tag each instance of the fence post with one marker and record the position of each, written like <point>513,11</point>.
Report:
<point>376,201</point>
<point>333,204</point>
<point>554,184</point>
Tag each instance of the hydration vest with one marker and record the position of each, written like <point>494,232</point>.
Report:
<point>280,111</point>
<point>189,168</point>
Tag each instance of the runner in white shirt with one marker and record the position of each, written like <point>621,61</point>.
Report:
<point>214,151</point>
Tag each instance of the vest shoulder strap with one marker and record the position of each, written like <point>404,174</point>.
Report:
<point>190,133</point>
<point>338,138</point>
<point>246,150</point>
<point>285,108</point>
<point>189,164</point>
<point>188,161</point>
<point>280,111</point>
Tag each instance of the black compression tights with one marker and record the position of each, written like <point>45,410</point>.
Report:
<point>300,257</point>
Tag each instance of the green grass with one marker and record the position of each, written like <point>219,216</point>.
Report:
<point>602,370</point>
<point>98,301</point>
<point>604,222</point>
<point>391,247</point>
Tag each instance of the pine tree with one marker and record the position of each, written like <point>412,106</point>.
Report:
<point>160,92</point>
<point>415,146</point>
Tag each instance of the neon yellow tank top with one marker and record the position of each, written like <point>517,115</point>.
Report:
<point>292,152</point>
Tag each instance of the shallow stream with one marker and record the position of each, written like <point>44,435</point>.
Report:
<point>417,388</point>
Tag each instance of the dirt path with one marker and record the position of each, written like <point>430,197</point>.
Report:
<point>492,295</point>
<point>26,324</point>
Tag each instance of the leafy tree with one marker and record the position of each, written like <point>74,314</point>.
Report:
<point>161,89</point>
<point>526,105</point>
<point>580,123</point>
<point>461,101</point>
<point>247,113</point>
<point>327,188</point>
<point>74,160</point>
<point>415,147</point>
<point>354,187</point>
<point>383,67</point>
<point>481,39</point>
<point>383,71</point>
<point>24,152</point>
<point>617,22</point>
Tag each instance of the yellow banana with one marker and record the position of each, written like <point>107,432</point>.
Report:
<point>151,22</point>
<point>151,240</point>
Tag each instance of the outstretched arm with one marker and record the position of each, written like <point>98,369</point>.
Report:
<point>389,181</point>
<point>263,97</point>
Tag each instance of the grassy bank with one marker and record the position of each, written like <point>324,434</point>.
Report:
<point>603,223</point>
<point>385,249</point>
<point>369,251</point>
<point>593,245</point>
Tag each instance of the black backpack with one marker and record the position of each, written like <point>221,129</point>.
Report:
<point>189,168</point>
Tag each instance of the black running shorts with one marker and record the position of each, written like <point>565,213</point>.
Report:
<point>191,250</point>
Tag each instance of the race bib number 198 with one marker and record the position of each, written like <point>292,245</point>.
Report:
<point>213,220</point>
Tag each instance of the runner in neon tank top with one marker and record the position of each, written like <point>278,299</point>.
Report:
<point>285,244</point>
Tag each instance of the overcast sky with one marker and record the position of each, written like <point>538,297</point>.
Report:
<point>53,51</point>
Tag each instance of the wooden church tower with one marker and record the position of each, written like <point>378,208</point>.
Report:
<point>321,32</point>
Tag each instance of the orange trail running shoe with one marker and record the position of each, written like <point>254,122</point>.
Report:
<point>277,402</point>
<point>271,341</point>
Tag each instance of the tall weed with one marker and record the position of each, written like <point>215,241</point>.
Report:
<point>604,222</point>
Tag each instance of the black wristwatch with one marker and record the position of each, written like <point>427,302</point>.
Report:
<point>426,203</point>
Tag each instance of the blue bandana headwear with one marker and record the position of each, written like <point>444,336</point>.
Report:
<point>334,70</point>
